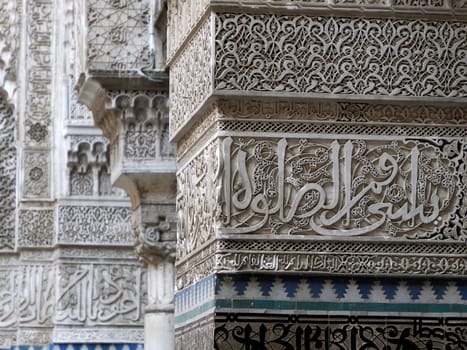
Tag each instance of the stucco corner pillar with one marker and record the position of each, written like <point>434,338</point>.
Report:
<point>321,183</point>
<point>142,163</point>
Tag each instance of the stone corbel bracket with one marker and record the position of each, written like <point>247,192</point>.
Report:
<point>142,161</point>
<point>156,238</point>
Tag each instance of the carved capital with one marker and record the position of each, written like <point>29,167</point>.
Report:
<point>156,232</point>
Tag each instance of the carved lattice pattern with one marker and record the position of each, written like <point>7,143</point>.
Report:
<point>118,34</point>
<point>7,176</point>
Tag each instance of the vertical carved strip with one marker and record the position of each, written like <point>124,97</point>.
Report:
<point>38,111</point>
<point>7,177</point>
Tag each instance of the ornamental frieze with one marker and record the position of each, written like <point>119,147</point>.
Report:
<point>340,56</point>
<point>288,254</point>
<point>184,16</point>
<point>345,112</point>
<point>354,59</point>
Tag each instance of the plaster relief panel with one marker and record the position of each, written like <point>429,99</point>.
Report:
<point>183,16</point>
<point>118,35</point>
<point>341,56</point>
<point>36,295</point>
<point>36,228</point>
<point>197,200</point>
<point>36,174</point>
<point>91,294</point>
<point>191,77</point>
<point>8,314</point>
<point>40,28</point>
<point>95,225</point>
<point>343,188</point>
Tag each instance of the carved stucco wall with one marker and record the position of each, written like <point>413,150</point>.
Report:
<point>69,271</point>
<point>338,55</point>
<point>117,38</point>
<point>322,173</point>
<point>8,176</point>
<point>274,177</point>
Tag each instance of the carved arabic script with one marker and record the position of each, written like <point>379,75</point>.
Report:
<point>100,295</point>
<point>358,332</point>
<point>336,188</point>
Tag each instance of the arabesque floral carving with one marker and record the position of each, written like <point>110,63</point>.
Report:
<point>341,56</point>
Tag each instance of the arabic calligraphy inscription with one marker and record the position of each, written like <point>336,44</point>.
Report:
<point>99,294</point>
<point>337,187</point>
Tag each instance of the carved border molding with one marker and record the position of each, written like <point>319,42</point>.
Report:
<point>399,8</point>
<point>200,132</point>
<point>89,335</point>
<point>286,116</point>
<point>359,258</point>
<point>196,266</point>
<point>342,112</point>
<point>363,258</point>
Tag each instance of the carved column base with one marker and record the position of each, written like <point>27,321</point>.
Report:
<point>159,328</point>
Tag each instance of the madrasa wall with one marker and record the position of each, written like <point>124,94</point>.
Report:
<point>318,178</point>
<point>321,182</point>
<point>70,275</point>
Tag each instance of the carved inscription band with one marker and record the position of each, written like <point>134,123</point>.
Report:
<point>341,188</point>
